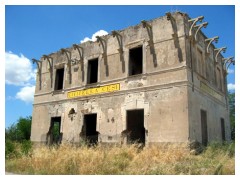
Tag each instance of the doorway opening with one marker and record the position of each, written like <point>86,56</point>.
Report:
<point>54,136</point>
<point>135,126</point>
<point>204,127</point>
<point>223,129</point>
<point>90,124</point>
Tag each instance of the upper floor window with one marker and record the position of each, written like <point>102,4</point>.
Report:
<point>135,61</point>
<point>218,78</point>
<point>201,68</point>
<point>59,79</point>
<point>92,71</point>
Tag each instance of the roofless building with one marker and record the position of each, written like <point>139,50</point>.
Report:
<point>161,81</point>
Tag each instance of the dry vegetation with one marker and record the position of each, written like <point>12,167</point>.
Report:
<point>67,159</point>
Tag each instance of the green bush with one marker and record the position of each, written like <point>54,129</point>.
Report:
<point>26,147</point>
<point>10,149</point>
<point>20,131</point>
<point>15,149</point>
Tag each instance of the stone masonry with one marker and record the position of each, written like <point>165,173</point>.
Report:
<point>161,81</point>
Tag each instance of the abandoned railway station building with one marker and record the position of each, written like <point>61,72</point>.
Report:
<point>161,81</point>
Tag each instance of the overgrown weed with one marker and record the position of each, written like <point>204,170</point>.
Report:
<point>126,159</point>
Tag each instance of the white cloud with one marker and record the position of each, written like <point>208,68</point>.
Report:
<point>230,71</point>
<point>231,86</point>
<point>98,33</point>
<point>18,70</point>
<point>26,94</point>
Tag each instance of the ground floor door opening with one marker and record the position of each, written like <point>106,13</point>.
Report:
<point>90,124</point>
<point>204,127</point>
<point>135,126</point>
<point>54,136</point>
<point>223,129</point>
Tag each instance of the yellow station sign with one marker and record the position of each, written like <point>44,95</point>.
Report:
<point>94,91</point>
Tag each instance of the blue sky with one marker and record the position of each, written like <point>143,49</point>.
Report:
<point>31,31</point>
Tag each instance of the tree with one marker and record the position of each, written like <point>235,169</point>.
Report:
<point>231,97</point>
<point>11,133</point>
<point>20,131</point>
<point>24,127</point>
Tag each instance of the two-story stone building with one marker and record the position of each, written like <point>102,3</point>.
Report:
<point>161,81</point>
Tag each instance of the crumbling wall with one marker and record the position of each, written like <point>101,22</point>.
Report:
<point>164,89</point>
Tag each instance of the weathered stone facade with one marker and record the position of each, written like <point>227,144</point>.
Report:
<point>164,87</point>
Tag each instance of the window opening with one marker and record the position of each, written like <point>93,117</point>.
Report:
<point>200,69</point>
<point>59,79</point>
<point>219,81</point>
<point>135,61</point>
<point>92,71</point>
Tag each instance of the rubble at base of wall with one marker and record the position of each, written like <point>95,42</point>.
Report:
<point>195,147</point>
